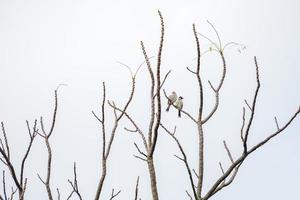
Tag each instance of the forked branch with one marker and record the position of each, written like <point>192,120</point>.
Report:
<point>106,147</point>
<point>233,169</point>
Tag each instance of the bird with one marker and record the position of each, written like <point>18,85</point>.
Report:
<point>179,105</point>
<point>171,99</point>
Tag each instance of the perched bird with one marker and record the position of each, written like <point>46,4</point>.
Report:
<point>171,99</point>
<point>179,105</point>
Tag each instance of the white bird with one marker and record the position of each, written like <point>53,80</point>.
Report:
<point>179,105</point>
<point>171,99</point>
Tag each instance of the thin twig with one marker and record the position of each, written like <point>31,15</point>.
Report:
<point>74,184</point>
<point>277,125</point>
<point>243,125</point>
<point>113,194</point>
<point>136,193</point>
<point>228,151</point>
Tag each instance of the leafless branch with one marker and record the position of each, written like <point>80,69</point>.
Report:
<point>252,107</point>
<point>136,193</point>
<point>199,120</point>
<point>96,117</point>
<point>58,194</point>
<point>181,159</point>
<point>32,135</point>
<point>70,195</point>
<point>243,125</point>
<point>118,118</point>
<point>131,130</point>
<point>41,179</point>
<point>138,157</point>
<point>113,194</point>
<point>74,184</point>
<point>106,149</point>
<point>233,169</point>
<point>1,145</point>
<point>6,141</point>
<point>212,87</point>
<point>191,70</point>
<point>216,32</point>
<point>4,184</point>
<point>46,136</point>
<point>195,173</point>
<point>6,160</point>
<point>13,192</point>
<point>133,123</point>
<point>164,80</point>
<point>277,126</point>
<point>217,90</point>
<point>189,195</point>
<point>246,102</point>
<point>228,151</point>
<point>138,149</point>
<point>151,95</point>
<point>221,167</point>
<point>184,159</point>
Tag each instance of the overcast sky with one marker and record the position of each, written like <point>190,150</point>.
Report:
<point>77,42</point>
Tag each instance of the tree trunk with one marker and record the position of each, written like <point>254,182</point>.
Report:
<point>152,178</point>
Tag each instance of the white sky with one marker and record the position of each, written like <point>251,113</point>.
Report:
<point>44,43</point>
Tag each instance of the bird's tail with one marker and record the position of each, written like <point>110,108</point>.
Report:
<point>179,113</point>
<point>168,108</point>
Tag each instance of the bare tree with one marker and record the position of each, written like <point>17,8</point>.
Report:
<point>148,137</point>
<point>228,175</point>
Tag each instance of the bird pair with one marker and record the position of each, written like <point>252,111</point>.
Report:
<point>178,102</point>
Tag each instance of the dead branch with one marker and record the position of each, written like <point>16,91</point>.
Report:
<point>184,159</point>
<point>58,194</point>
<point>74,184</point>
<point>32,135</point>
<point>163,82</point>
<point>46,136</point>
<point>252,107</point>
<point>113,194</point>
<point>4,185</point>
<point>106,149</point>
<point>243,125</point>
<point>228,151</point>
<point>233,169</point>
<point>5,153</point>
<point>136,193</point>
<point>151,94</point>
<point>13,192</point>
<point>6,158</point>
<point>189,195</point>
<point>138,130</point>
<point>217,90</point>
<point>199,120</point>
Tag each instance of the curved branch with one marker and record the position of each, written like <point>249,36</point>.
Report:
<point>184,159</point>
